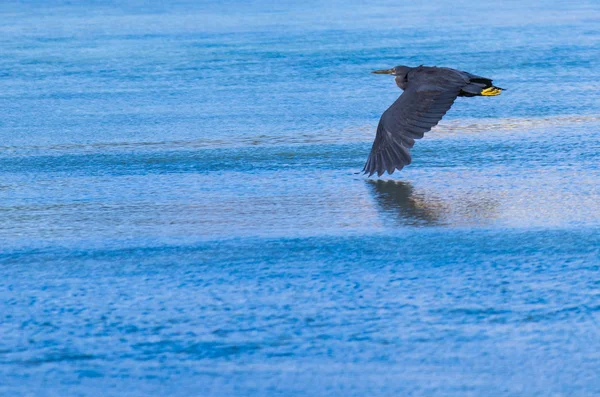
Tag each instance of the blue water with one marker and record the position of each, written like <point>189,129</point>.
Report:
<point>181,214</point>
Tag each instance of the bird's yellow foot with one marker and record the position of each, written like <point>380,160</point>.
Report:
<point>491,91</point>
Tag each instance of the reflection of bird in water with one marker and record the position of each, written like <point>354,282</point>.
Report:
<point>399,198</point>
<point>412,208</point>
<point>429,92</point>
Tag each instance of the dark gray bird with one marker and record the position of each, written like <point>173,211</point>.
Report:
<point>428,94</point>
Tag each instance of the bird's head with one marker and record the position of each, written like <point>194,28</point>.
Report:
<point>400,72</point>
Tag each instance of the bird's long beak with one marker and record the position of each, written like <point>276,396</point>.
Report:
<point>383,71</point>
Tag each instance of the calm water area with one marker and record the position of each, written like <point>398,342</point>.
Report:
<point>181,212</point>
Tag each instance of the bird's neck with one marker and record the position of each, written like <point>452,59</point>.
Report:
<point>401,82</point>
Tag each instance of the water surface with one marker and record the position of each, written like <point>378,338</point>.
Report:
<point>181,212</point>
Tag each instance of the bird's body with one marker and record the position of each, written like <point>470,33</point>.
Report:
<point>428,94</point>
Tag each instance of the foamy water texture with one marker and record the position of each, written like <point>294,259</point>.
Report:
<point>181,212</point>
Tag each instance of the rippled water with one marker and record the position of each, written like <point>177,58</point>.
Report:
<point>181,212</point>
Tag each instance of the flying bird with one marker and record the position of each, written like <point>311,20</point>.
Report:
<point>429,92</point>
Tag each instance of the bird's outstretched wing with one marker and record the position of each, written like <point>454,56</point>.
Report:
<point>429,93</point>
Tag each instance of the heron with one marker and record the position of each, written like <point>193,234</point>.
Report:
<point>429,92</point>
